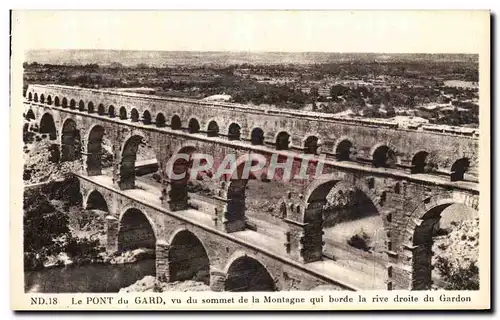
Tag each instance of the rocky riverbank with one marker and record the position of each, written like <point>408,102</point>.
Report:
<point>150,284</point>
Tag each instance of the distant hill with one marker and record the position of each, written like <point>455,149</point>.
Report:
<point>175,58</point>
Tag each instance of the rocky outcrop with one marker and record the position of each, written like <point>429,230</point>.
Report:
<point>131,256</point>
<point>150,284</point>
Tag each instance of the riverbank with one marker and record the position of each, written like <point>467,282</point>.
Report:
<point>150,284</point>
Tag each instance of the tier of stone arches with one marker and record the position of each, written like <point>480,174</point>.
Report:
<point>343,149</point>
<point>186,257</point>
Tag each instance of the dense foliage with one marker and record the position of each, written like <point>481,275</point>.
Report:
<point>46,227</point>
<point>458,277</point>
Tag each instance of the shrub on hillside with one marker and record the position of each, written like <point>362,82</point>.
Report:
<point>360,240</point>
<point>458,277</point>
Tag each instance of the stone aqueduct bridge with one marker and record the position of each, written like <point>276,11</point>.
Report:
<point>389,165</point>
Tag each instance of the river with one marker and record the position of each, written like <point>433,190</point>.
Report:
<point>87,278</point>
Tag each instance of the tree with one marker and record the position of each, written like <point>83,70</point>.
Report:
<point>338,90</point>
<point>458,277</point>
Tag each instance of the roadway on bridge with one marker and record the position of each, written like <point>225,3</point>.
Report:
<point>148,192</point>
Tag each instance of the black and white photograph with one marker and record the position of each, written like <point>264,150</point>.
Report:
<point>219,163</point>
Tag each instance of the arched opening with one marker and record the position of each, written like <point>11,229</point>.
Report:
<point>30,96</point>
<point>70,141</point>
<point>257,137</point>
<point>127,164</point>
<point>311,145</point>
<point>344,150</point>
<point>213,129</point>
<point>459,168</point>
<point>146,117</point>
<point>42,98</point>
<point>134,115</point>
<point>81,105</point>
<point>384,157</point>
<point>160,120</point>
<point>64,103</point>
<point>419,162</point>
<point>123,113</point>
<point>95,150</point>
<point>283,141</point>
<point>188,259</point>
<point>57,103</point>
<point>234,132</point>
<point>47,125</point>
<point>179,186</point>
<point>30,115</point>
<point>96,201</point>
<point>193,126</point>
<point>49,100</point>
<point>248,274</point>
<point>345,226</point>
<point>72,104</point>
<point>441,230</point>
<point>36,97</point>
<point>111,111</point>
<point>90,107</point>
<point>175,123</point>
<point>100,110</point>
<point>135,231</point>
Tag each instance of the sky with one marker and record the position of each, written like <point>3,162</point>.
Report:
<point>291,31</point>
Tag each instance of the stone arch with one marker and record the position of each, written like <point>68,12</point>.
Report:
<point>213,129</point>
<point>136,230</point>
<point>459,168</point>
<point>234,131</point>
<point>127,163</point>
<point>64,102</point>
<point>178,192</point>
<point>57,103</point>
<point>134,115</point>
<point>30,96</point>
<point>90,107</point>
<point>257,136</point>
<point>70,141</point>
<point>235,185</point>
<point>100,110</point>
<point>187,258</point>
<point>81,105</point>
<point>42,98</point>
<point>344,150</point>
<point>333,203</point>
<point>94,150</point>
<point>49,99</point>
<point>96,201</point>
<point>160,120</point>
<point>193,126</point>
<point>311,145</point>
<point>246,273</point>
<point>47,125</point>
<point>419,234</point>
<point>383,156</point>
<point>282,140</point>
<point>123,113</point>
<point>111,111</point>
<point>30,115</point>
<point>419,162</point>
<point>146,117</point>
<point>36,97</point>
<point>72,104</point>
<point>175,122</point>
